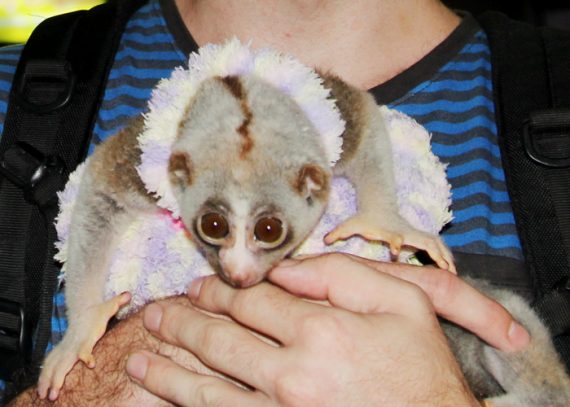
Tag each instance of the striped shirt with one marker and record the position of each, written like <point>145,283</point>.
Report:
<point>449,92</point>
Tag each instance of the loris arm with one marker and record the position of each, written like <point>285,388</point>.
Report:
<point>110,194</point>
<point>367,161</point>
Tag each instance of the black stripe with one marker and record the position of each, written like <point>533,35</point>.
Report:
<point>483,248</point>
<point>448,95</point>
<point>472,155</point>
<point>480,223</point>
<point>147,31</point>
<point>127,80</point>
<point>131,61</point>
<point>466,135</point>
<point>456,118</point>
<point>140,46</point>
<point>128,100</point>
<point>480,199</point>
<point>472,56</point>
<point>460,75</point>
<point>7,77</point>
<point>114,124</point>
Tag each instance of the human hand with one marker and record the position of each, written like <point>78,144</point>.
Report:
<point>380,344</point>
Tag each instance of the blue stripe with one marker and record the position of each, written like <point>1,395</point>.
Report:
<point>58,325</point>
<point>480,187</point>
<point>139,73</point>
<point>467,65</point>
<point>9,56</point>
<point>3,106</point>
<point>7,68</point>
<point>481,235</point>
<point>442,150</point>
<point>5,86</point>
<point>59,299</point>
<point>479,164</point>
<point>419,109</point>
<point>154,39</point>
<point>456,86</point>
<point>121,110</point>
<point>476,48</point>
<point>482,211</point>
<point>146,22</point>
<point>147,55</point>
<point>461,127</point>
<point>104,134</point>
<point>126,90</point>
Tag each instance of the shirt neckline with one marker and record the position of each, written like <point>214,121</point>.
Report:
<point>429,65</point>
<point>385,93</point>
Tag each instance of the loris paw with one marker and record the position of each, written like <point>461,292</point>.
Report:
<point>396,237</point>
<point>77,345</point>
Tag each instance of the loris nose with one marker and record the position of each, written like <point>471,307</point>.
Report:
<point>240,270</point>
<point>242,278</point>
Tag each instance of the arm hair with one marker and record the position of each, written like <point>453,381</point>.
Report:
<point>108,383</point>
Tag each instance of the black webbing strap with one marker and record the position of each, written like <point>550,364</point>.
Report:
<point>531,77</point>
<point>57,90</point>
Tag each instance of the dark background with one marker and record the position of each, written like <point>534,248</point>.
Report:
<point>554,13</point>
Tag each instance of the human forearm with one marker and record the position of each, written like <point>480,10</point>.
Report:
<point>107,384</point>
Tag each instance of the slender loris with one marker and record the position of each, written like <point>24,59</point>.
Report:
<point>251,180</point>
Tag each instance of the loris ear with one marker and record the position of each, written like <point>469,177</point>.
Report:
<point>180,169</point>
<point>312,182</point>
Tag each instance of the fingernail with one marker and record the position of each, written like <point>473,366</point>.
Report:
<point>194,288</point>
<point>137,365</point>
<point>518,335</point>
<point>152,317</point>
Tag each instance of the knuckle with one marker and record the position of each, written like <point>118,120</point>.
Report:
<point>332,261</point>
<point>206,394</point>
<point>292,389</point>
<point>417,297</point>
<point>444,286</point>
<point>322,325</point>
<point>241,301</point>
<point>208,335</point>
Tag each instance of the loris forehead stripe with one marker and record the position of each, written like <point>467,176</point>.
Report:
<point>235,86</point>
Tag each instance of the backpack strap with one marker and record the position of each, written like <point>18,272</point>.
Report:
<point>532,99</point>
<point>56,93</point>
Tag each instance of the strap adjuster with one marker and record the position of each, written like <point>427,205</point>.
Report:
<point>46,85</point>
<point>39,176</point>
<point>546,137</point>
<point>15,343</point>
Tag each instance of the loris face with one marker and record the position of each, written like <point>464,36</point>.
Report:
<point>245,229</point>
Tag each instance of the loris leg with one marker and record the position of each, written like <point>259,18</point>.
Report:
<point>367,162</point>
<point>95,219</point>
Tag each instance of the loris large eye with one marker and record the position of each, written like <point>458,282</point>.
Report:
<point>213,227</point>
<point>269,232</point>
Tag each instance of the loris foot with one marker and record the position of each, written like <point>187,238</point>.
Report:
<point>77,344</point>
<point>396,235</point>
